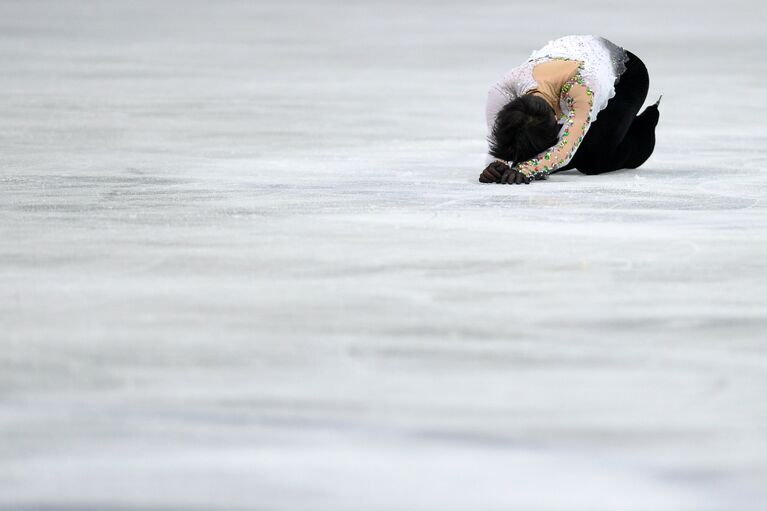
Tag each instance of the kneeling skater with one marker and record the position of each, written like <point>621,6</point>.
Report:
<point>542,115</point>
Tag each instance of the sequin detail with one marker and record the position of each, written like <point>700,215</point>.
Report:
<point>604,62</point>
<point>542,165</point>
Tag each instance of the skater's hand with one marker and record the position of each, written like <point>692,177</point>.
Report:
<point>493,172</point>
<point>514,177</point>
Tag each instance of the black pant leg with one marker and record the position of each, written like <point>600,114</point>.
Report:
<point>618,138</point>
<point>639,143</point>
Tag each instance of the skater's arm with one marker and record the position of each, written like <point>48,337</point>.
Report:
<point>579,100</point>
<point>496,99</point>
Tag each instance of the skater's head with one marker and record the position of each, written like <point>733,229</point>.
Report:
<point>524,128</point>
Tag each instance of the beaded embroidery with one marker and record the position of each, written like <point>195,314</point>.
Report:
<point>604,63</point>
<point>540,166</point>
<point>601,64</point>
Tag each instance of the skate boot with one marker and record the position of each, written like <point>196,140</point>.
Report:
<point>650,116</point>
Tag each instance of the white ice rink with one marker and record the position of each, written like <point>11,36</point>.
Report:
<point>245,264</point>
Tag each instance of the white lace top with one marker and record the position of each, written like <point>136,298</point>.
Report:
<point>601,65</point>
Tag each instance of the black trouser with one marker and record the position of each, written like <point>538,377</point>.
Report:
<point>619,138</point>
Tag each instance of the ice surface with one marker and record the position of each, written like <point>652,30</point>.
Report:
<point>246,264</point>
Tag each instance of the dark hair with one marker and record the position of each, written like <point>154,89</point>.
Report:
<point>524,127</point>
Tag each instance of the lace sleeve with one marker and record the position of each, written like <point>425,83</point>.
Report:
<point>512,85</point>
<point>578,104</point>
<point>496,99</point>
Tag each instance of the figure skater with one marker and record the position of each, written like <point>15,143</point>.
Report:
<point>542,115</point>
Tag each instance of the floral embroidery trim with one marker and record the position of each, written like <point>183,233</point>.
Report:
<point>540,166</point>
